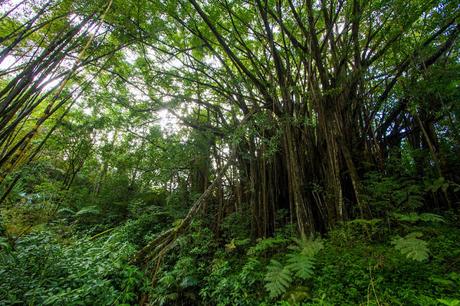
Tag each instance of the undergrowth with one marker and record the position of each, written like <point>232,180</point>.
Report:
<point>416,264</point>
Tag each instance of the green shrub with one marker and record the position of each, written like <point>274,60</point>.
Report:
<point>43,271</point>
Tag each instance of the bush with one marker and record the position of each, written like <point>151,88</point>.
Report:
<point>43,271</point>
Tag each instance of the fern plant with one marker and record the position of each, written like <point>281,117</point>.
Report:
<point>415,217</point>
<point>264,245</point>
<point>449,302</point>
<point>300,263</point>
<point>411,246</point>
<point>428,217</point>
<point>89,210</point>
<point>307,247</point>
<point>278,278</point>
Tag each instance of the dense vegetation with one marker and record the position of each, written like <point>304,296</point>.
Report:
<point>229,152</point>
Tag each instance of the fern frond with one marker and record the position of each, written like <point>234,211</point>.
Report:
<point>414,217</point>
<point>302,265</point>
<point>266,244</point>
<point>66,210</point>
<point>307,247</point>
<point>449,302</point>
<point>427,217</point>
<point>278,278</point>
<point>371,222</point>
<point>411,246</point>
<point>90,210</point>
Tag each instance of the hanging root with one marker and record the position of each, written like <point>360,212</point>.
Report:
<point>157,248</point>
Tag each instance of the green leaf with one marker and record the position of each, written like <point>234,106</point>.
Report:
<point>427,217</point>
<point>4,244</point>
<point>449,302</point>
<point>307,247</point>
<point>414,217</point>
<point>278,278</point>
<point>188,281</point>
<point>412,247</point>
<point>266,244</point>
<point>66,210</point>
<point>90,210</point>
<point>301,264</point>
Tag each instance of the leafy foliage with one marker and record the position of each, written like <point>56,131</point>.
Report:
<point>267,244</point>
<point>278,278</point>
<point>411,246</point>
<point>414,217</point>
<point>235,129</point>
<point>83,272</point>
<point>302,265</point>
<point>453,302</point>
